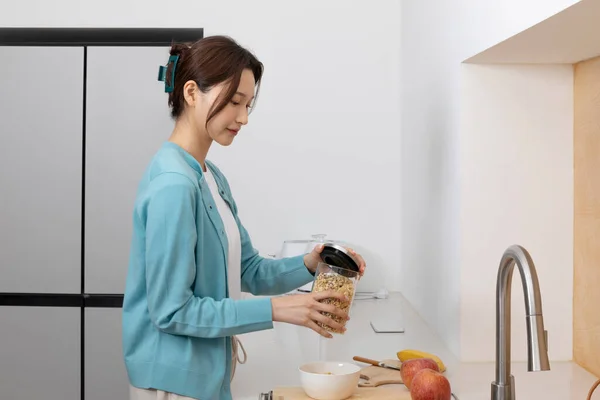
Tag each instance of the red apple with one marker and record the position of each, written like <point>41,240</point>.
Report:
<point>409,368</point>
<point>428,384</point>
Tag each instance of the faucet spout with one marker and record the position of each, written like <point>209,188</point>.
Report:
<point>503,388</point>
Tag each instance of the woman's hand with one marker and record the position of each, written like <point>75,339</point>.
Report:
<point>312,259</point>
<point>305,310</point>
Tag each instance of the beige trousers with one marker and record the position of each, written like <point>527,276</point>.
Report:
<point>152,394</point>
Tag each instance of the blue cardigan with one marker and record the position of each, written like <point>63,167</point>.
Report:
<point>177,317</point>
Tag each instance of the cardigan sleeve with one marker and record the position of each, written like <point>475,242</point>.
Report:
<point>170,228</point>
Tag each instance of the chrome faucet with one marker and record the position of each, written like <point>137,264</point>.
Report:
<point>503,388</point>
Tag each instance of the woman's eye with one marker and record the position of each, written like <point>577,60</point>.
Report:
<point>235,103</point>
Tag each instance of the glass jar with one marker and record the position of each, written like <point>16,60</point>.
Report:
<point>337,272</point>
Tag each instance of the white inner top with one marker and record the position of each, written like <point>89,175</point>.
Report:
<point>234,256</point>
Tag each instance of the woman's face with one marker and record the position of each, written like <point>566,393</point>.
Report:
<point>225,126</point>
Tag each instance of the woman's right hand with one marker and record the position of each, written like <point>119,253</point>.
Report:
<point>305,310</point>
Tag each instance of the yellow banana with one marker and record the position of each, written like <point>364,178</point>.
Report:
<point>409,354</point>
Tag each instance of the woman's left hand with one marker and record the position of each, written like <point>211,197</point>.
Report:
<point>312,259</point>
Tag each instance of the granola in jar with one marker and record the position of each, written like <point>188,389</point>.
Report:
<point>341,284</point>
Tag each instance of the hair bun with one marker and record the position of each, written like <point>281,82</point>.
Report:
<point>178,48</point>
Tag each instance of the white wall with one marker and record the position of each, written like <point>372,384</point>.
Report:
<point>430,271</point>
<point>332,77</point>
<point>437,35</point>
<point>483,24</point>
<point>516,163</point>
<point>321,152</point>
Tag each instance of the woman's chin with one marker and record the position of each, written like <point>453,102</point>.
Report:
<point>225,139</point>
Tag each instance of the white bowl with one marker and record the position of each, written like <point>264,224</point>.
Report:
<point>329,380</point>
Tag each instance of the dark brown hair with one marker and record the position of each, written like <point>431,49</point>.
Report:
<point>209,62</point>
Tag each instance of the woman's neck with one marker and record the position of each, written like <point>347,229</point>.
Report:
<point>188,138</point>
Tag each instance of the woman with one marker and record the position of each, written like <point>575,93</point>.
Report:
<point>191,257</point>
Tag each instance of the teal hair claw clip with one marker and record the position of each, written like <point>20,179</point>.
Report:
<point>162,73</point>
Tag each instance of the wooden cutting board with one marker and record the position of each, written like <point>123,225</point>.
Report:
<point>383,384</point>
<point>379,376</point>
<point>394,392</point>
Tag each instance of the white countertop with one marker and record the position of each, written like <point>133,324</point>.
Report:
<point>274,356</point>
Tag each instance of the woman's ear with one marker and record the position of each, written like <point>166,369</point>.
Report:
<point>190,93</point>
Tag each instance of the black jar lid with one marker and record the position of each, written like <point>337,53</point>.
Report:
<point>338,256</point>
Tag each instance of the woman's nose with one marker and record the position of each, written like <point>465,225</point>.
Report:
<point>243,117</point>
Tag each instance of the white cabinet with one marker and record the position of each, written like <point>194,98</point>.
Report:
<point>127,121</point>
<point>41,112</point>
<point>79,123</point>
<point>105,374</point>
<point>39,353</point>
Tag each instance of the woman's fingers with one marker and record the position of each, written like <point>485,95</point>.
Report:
<point>312,325</point>
<point>318,317</point>
<point>330,294</point>
<point>361,261</point>
<point>330,308</point>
